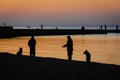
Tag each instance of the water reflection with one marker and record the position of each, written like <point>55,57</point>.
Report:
<point>103,48</point>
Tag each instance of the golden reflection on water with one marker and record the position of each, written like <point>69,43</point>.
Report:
<point>103,48</point>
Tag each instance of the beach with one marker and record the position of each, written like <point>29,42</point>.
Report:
<point>36,68</point>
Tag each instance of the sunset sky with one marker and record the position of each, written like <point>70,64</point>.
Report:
<point>59,12</point>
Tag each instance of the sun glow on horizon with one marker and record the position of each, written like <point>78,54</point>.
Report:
<point>58,9</point>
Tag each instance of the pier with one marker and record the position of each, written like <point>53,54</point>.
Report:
<point>8,31</point>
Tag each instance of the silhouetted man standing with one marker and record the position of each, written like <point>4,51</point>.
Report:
<point>69,46</point>
<point>31,44</point>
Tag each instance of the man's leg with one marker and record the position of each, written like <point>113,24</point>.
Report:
<point>33,52</point>
<point>69,57</point>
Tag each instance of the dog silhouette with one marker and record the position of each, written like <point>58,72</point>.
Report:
<point>88,56</point>
<point>19,53</point>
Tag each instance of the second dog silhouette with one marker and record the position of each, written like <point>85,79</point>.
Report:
<point>19,53</point>
<point>88,56</point>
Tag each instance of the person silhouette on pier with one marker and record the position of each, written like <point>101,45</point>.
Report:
<point>83,28</point>
<point>105,27</point>
<point>41,26</point>
<point>117,27</point>
<point>101,27</point>
<point>69,46</point>
<point>88,56</point>
<point>32,44</point>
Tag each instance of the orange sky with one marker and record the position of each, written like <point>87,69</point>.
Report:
<point>58,8</point>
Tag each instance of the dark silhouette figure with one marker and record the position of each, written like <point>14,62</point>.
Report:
<point>88,56</point>
<point>41,26</point>
<point>116,27</point>
<point>56,28</point>
<point>19,53</point>
<point>69,46</point>
<point>32,44</point>
<point>105,27</point>
<point>101,27</point>
<point>83,28</point>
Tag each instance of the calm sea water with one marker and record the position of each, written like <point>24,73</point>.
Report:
<point>103,48</point>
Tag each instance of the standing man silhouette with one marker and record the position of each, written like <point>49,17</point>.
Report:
<point>32,44</point>
<point>69,46</point>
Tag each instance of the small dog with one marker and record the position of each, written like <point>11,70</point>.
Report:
<point>88,56</point>
<point>19,53</point>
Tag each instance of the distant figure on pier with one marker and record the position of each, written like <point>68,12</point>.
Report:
<point>56,28</point>
<point>116,27</point>
<point>88,56</point>
<point>101,27</point>
<point>19,53</point>
<point>105,27</point>
<point>69,46</point>
<point>83,28</point>
<point>32,44</point>
<point>41,26</point>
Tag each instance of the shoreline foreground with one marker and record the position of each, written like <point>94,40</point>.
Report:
<point>39,68</point>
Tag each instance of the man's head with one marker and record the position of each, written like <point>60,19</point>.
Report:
<point>68,36</point>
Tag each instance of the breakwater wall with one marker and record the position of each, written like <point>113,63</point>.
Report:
<point>10,32</point>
